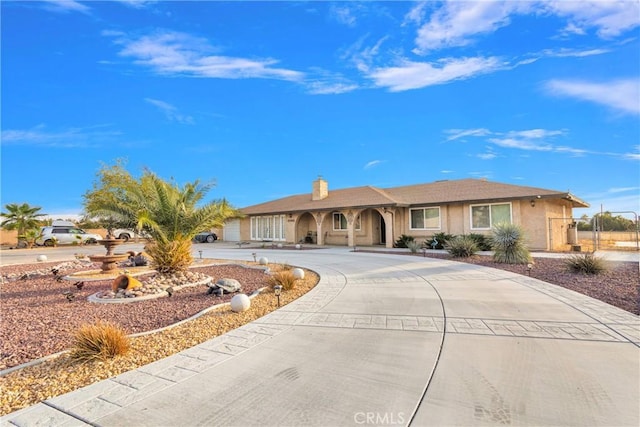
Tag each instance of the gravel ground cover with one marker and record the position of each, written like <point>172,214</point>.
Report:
<point>61,374</point>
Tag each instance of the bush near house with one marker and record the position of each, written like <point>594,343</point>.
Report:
<point>403,241</point>
<point>438,241</point>
<point>461,246</point>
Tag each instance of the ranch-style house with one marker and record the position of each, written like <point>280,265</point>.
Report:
<point>368,216</point>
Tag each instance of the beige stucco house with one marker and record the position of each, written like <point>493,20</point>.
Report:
<point>366,216</point>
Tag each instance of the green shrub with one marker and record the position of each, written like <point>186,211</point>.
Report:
<point>414,246</point>
<point>403,241</point>
<point>482,242</point>
<point>284,278</point>
<point>100,340</point>
<point>508,242</point>
<point>587,263</point>
<point>461,246</point>
<point>438,241</point>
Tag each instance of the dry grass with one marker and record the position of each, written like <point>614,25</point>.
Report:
<point>284,278</point>
<point>100,340</point>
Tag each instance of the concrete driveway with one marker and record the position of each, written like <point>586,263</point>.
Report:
<point>386,340</point>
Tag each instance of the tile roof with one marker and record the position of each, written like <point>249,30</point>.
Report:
<point>439,192</point>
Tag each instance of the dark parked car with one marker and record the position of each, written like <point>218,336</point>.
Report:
<point>205,237</point>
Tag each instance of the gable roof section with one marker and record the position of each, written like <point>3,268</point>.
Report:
<point>435,193</point>
<point>356,197</point>
<point>473,190</point>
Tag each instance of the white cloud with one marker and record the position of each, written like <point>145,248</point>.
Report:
<point>455,22</point>
<point>535,133</point>
<point>459,23</point>
<point>68,138</point>
<point>487,156</point>
<point>414,75</point>
<point>170,112</point>
<point>622,95</point>
<point>66,6</point>
<point>330,88</point>
<point>136,4</point>
<point>461,133</point>
<point>521,144</point>
<point>608,18</point>
<point>174,53</point>
<point>372,164</point>
<point>343,14</point>
<point>416,14</point>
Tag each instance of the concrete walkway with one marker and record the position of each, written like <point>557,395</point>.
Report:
<point>386,340</point>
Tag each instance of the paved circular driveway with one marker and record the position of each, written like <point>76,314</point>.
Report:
<point>387,340</point>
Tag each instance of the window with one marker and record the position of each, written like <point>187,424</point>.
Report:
<point>340,222</point>
<point>425,218</point>
<point>267,227</point>
<point>486,216</point>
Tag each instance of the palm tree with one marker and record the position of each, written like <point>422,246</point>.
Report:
<point>21,218</point>
<point>169,213</point>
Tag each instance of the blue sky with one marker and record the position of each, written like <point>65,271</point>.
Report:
<point>262,97</point>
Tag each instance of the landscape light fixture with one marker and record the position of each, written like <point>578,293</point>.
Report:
<point>277,289</point>
<point>529,268</point>
<point>424,251</point>
<point>200,252</point>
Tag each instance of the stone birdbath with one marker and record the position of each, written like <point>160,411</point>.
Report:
<point>110,260</point>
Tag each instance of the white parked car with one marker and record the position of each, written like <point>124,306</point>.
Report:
<point>126,234</point>
<point>64,235</point>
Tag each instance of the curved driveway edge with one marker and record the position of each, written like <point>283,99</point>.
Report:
<point>387,340</point>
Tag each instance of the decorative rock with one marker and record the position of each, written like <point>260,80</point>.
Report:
<point>263,261</point>
<point>240,303</point>
<point>279,245</point>
<point>298,246</point>
<point>41,258</point>
<point>227,285</point>
<point>298,273</point>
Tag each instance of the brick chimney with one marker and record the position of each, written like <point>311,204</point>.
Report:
<point>320,189</point>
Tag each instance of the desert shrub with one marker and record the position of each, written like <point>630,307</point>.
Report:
<point>461,246</point>
<point>100,340</point>
<point>482,242</point>
<point>284,278</point>
<point>403,241</point>
<point>414,246</point>
<point>587,263</point>
<point>509,246</point>
<point>440,240</point>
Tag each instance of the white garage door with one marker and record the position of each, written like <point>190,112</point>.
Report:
<point>231,231</point>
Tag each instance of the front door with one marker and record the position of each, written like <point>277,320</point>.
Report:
<point>383,231</point>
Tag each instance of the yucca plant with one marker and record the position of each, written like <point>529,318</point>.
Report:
<point>509,246</point>
<point>284,278</point>
<point>100,340</point>
<point>587,263</point>
<point>461,246</point>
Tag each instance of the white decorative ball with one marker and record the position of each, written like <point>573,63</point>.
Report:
<point>239,303</point>
<point>263,261</point>
<point>298,273</point>
<point>41,258</point>
<point>279,245</point>
<point>298,246</point>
